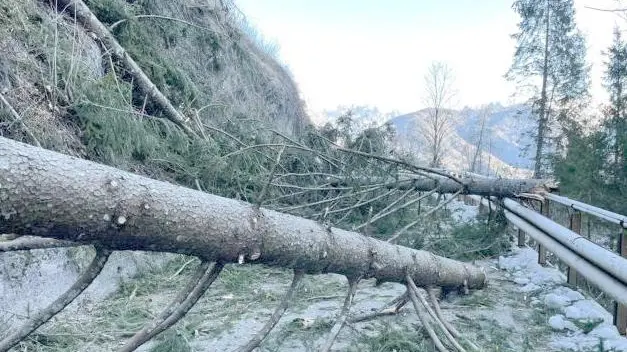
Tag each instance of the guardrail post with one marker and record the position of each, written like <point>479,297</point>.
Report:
<point>544,208</point>
<point>482,207</point>
<point>521,238</point>
<point>620,311</point>
<point>575,226</point>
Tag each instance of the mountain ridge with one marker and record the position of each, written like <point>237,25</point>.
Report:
<point>507,135</point>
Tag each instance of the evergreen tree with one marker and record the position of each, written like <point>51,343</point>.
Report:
<point>593,167</point>
<point>615,124</point>
<point>615,80</point>
<point>550,52</point>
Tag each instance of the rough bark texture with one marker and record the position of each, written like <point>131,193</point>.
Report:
<point>543,113</point>
<point>483,186</point>
<point>48,194</point>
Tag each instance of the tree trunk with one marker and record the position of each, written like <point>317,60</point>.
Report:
<point>471,184</point>
<point>47,194</point>
<point>543,114</point>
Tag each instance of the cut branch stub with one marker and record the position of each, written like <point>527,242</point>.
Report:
<point>52,195</point>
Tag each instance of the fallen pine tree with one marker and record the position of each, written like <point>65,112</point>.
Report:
<point>71,200</point>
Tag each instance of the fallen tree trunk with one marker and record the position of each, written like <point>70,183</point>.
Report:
<point>47,194</point>
<point>482,186</point>
<point>469,184</point>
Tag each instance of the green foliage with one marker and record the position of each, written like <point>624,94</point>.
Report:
<point>486,237</point>
<point>391,339</point>
<point>587,325</point>
<point>593,167</point>
<point>550,55</point>
<point>171,341</point>
<point>109,11</point>
<point>580,169</point>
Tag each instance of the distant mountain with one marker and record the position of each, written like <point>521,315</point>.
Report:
<point>364,116</point>
<point>505,138</point>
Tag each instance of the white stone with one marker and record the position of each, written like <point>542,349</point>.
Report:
<point>574,295</point>
<point>557,322</point>
<point>555,301</point>
<point>573,312</point>
<point>605,331</point>
<point>521,280</point>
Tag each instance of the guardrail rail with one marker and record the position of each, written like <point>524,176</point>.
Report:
<point>598,265</point>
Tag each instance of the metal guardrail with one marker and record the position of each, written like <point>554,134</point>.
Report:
<point>599,266</point>
<point>589,209</point>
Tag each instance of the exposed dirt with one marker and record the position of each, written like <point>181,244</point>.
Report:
<point>510,314</point>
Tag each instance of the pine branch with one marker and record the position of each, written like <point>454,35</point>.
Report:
<point>79,10</point>
<point>27,243</point>
<point>202,279</point>
<point>17,118</point>
<point>341,320</point>
<point>424,319</point>
<point>41,317</point>
<point>274,319</point>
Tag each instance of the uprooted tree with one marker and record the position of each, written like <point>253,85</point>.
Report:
<point>53,200</point>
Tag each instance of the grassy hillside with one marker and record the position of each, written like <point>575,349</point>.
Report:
<point>75,98</point>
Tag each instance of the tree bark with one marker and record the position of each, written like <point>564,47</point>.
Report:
<point>470,184</point>
<point>47,194</point>
<point>543,113</point>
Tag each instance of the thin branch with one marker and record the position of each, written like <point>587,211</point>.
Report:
<point>383,214</point>
<point>309,174</point>
<point>341,320</point>
<point>447,325</point>
<point>264,190</point>
<point>266,145</point>
<point>422,315</point>
<point>261,335</point>
<point>41,317</point>
<point>364,202</point>
<point>324,201</point>
<point>396,201</point>
<point>203,277</point>
<point>387,309</point>
<point>415,222</point>
<point>438,322</point>
<point>606,10</point>
<point>27,243</point>
<point>17,118</point>
<point>400,162</point>
<point>328,159</point>
<point>112,27</point>
<point>348,213</point>
<point>331,188</point>
<point>439,206</point>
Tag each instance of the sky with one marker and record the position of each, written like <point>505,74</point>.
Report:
<point>376,52</point>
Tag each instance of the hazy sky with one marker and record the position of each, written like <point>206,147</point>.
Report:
<point>376,52</point>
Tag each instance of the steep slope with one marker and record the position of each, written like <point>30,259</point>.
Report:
<point>67,93</point>
<point>74,97</point>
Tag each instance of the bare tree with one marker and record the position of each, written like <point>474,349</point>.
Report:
<point>479,138</point>
<point>439,95</point>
